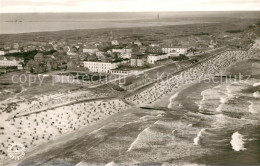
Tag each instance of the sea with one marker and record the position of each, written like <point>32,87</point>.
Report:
<point>226,117</point>
<point>206,124</point>
<point>14,23</point>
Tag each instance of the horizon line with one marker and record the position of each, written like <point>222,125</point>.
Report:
<point>134,11</point>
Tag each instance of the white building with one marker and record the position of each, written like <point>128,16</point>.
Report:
<point>181,50</point>
<point>2,52</point>
<point>122,72</point>
<point>20,67</point>
<point>137,42</point>
<point>9,62</point>
<point>14,51</point>
<point>100,67</point>
<point>151,59</point>
<point>115,43</point>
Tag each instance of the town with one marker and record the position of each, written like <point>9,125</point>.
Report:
<point>115,55</point>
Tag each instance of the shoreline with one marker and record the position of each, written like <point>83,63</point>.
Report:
<point>164,101</point>
<point>69,137</point>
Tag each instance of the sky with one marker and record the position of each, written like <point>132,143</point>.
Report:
<point>28,6</point>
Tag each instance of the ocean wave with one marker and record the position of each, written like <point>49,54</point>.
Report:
<point>222,101</point>
<point>82,163</point>
<point>253,107</point>
<point>110,163</point>
<point>138,138</point>
<point>196,140</point>
<point>229,91</point>
<point>183,164</point>
<point>237,142</point>
<point>256,94</point>
<point>209,98</point>
<point>171,99</point>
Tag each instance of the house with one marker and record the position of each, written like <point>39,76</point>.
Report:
<point>137,42</point>
<point>134,62</point>
<point>16,46</point>
<point>38,57</point>
<point>123,53</point>
<point>70,50</point>
<point>90,49</point>
<point>2,52</point>
<point>115,43</point>
<point>142,49</point>
<point>20,67</point>
<point>212,44</point>
<point>100,54</point>
<point>154,45</point>
<point>126,53</point>
<point>34,67</point>
<point>138,60</point>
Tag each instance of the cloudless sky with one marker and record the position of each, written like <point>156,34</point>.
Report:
<point>20,6</point>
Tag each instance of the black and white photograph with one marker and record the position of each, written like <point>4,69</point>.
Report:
<point>129,82</point>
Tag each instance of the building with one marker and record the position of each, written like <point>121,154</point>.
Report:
<point>212,44</point>
<point>16,46</point>
<point>154,50</point>
<point>123,53</point>
<point>138,60</point>
<point>10,61</point>
<point>38,57</point>
<point>34,67</point>
<point>100,67</point>
<point>2,52</point>
<point>14,51</point>
<point>121,72</point>
<point>135,62</point>
<point>101,55</point>
<point>90,49</point>
<point>170,49</point>
<point>115,43</point>
<point>151,59</point>
<point>20,67</point>
<point>137,42</point>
